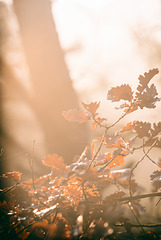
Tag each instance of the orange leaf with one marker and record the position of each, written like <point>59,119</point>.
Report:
<point>92,107</point>
<point>128,127</point>
<point>118,160</point>
<point>55,161</point>
<point>133,108</point>
<point>73,115</point>
<point>159,162</point>
<point>38,181</point>
<point>16,176</point>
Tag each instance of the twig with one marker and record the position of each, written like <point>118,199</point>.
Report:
<point>98,150</point>
<point>148,155</point>
<point>112,125</point>
<point>132,170</point>
<point>136,218</point>
<point>137,197</point>
<point>128,199</point>
<point>106,165</point>
<point>9,189</point>
<point>142,225</point>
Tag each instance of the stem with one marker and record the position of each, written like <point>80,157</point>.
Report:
<point>136,218</point>
<point>9,189</point>
<point>137,197</point>
<point>132,170</point>
<point>98,150</point>
<point>121,117</point>
<point>106,165</point>
<point>142,225</point>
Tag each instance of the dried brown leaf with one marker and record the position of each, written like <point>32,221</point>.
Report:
<point>123,92</point>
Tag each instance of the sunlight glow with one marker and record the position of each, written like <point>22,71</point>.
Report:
<point>107,33</point>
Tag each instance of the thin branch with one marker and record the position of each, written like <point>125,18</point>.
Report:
<point>112,125</point>
<point>132,170</point>
<point>136,218</point>
<point>137,226</point>
<point>98,150</point>
<point>106,165</point>
<point>9,189</point>
<point>128,199</point>
<point>138,197</point>
<point>148,155</point>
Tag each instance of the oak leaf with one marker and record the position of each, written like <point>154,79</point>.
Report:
<point>117,161</point>
<point>156,179</point>
<point>142,129</point>
<point>123,92</point>
<point>156,176</point>
<point>156,129</point>
<point>16,176</point>
<point>55,161</point>
<point>73,115</point>
<point>115,141</point>
<point>148,97</point>
<point>144,80</point>
<point>92,107</point>
<point>128,127</point>
<point>113,197</point>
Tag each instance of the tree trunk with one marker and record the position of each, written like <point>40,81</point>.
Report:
<point>51,89</point>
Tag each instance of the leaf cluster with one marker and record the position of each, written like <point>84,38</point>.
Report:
<point>69,203</point>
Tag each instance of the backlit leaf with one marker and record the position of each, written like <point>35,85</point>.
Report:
<point>92,107</point>
<point>113,197</point>
<point>141,128</point>
<point>156,176</point>
<point>54,161</point>
<point>73,115</point>
<point>144,80</point>
<point>148,97</point>
<point>115,141</point>
<point>156,129</point>
<point>123,92</point>
<point>128,127</point>
<point>117,161</point>
<point>16,176</point>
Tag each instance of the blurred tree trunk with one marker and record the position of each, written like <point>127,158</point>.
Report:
<point>52,90</point>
